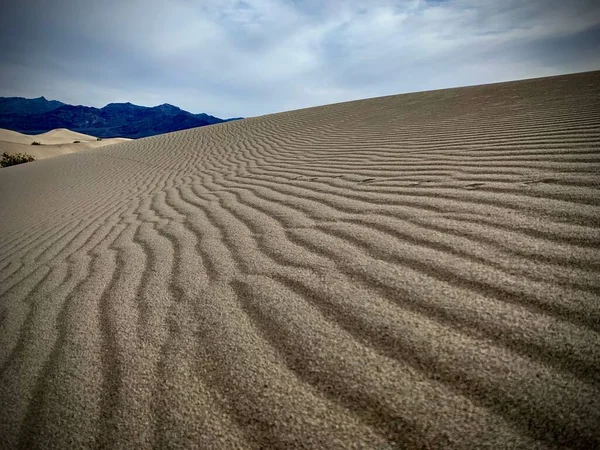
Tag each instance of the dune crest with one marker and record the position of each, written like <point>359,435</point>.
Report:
<point>60,141</point>
<point>412,271</point>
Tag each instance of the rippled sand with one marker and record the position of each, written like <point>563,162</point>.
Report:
<point>414,271</point>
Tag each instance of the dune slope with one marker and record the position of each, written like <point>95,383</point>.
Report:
<point>414,271</point>
<point>57,136</point>
<point>60,141</point>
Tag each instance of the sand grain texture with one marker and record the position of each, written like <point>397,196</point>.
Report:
<point>414,271</point>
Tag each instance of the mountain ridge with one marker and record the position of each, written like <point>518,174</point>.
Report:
<point>38,115</point>
<point>22,105</point>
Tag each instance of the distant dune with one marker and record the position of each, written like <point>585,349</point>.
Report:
<point>414,271</point>
<point>54,143</point>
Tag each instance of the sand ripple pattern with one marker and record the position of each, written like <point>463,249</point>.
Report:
<point>414,271</point>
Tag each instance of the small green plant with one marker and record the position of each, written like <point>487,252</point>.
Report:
<point>35,143</point>
<point>17,158</point>
<point>76,142</point>
<point>98,139</point>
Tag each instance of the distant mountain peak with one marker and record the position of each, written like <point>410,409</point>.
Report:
<point>168,106</point>
<point>120,105</point>
<point>34,116</point>
<point>21,105</point>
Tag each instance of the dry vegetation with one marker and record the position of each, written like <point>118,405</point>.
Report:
<point>14,159</point>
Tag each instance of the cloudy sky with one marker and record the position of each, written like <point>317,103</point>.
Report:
<point>246,58</point>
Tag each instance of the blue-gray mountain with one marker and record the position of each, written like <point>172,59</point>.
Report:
<point>39,115</point>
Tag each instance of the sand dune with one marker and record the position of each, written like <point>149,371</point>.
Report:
<point>414,271</point>
<point>57,136</point>
<point>54,143</point>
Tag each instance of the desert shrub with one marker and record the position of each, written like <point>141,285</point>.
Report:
<point>98,139</point>
<point>17,158</point>
<point>35,143</point>
<point>76,142</point>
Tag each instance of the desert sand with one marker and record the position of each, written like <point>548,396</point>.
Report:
<point>54,143</point>
<point>413,271</point>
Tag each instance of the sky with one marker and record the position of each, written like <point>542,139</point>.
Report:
<point>233,58</point>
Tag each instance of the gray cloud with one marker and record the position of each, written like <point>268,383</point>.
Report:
<point>252,57</point>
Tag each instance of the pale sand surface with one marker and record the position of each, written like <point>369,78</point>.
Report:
<point>57,136</point>
<point>415,271</point>
<point>54,143</point>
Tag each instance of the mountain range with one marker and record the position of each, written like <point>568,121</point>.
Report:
<point>38,115</point>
